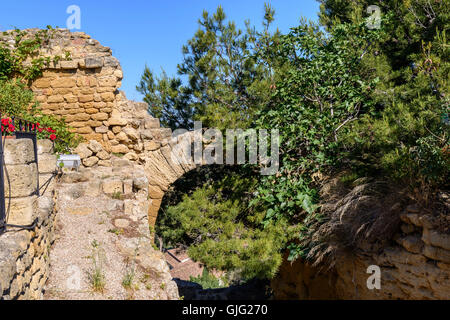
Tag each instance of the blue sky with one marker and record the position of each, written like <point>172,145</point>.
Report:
<point>146,31</point>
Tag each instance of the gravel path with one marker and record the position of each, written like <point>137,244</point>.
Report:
<point>98,255</point>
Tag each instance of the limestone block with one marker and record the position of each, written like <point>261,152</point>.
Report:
<point>93,62</point>
<point>103,155</point>
<point>95,146</point>
<point>85,130</point>
<point>152,124</point>
<point>101,129</point>
<point>47,183</point>
<point>437,254</point>
<point>23,210</point>
<point>86,98</point>
<point>18,151</point>
<point>78,117</point>
<point>93,123</point>
<point>131,156</point>
<point>112,186</point>
<point>118,74</point>
<point>434,238</point>
<point>122,137</point>
<point>63,83</point>
<point>93,136</point>
<point>69,64</point>
<point>90,162</point>
<point>105,163</point>
<point>42,83</point>
<point>116,130</point>
<point>128,186</point>
<point>131,133</point>
<point>101,116</point>
<point>108,81</point>
<point>154,192</point>
<point>47,163</point>
<point>55,99</point>
<point>108,96</point>
<point>22,179</point>
<point>70,98</point>
<point>86,81</point>
<point>116,119</point>
<point>411,243</point>
<point>140,183</point>
<point>83,151</point>
<point>44,146</point>
<point>111,62</point>
<point>122,149</point>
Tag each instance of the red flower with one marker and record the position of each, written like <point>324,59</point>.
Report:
<point>5,122</point>
<point>40,130</point>
<point>53,137</point>
<point>11,128</point>
<point>38,124</point>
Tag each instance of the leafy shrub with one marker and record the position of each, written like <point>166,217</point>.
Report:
<point>19,65</point>
<point>221,230</point>
<point>206,280</point>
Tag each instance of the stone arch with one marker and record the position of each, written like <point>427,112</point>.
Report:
<point>166,165</point>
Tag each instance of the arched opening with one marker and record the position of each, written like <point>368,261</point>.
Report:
<point>209,236</point>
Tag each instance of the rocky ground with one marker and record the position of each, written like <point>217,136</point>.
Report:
<point>103,249</point>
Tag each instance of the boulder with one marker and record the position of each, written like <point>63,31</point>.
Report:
<point>83,151</point>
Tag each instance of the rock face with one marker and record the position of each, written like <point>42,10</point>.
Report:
<point>416,266</point>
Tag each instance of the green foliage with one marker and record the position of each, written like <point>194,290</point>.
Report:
<point>320,94</point>
<point>168,100</point>
<point>23,60</point>
<point>65,140</point>
<point>221,230</point>
<point>19,65</point>
<point>407,138</point>
<point>207,280</point>
<point>373,103</point>
<point>227,80</point>
<point>15,98</point>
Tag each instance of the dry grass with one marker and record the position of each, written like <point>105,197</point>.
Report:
<point>362,215</point>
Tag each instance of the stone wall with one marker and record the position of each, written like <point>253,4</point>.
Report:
<point>415,266</point>
<point>24,253</point>
<point>84,90</point>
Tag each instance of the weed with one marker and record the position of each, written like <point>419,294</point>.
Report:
<point>128,279</point>
<point>117,195</point>
<point>96,275</point>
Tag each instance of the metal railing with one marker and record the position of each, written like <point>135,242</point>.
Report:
<point>21,129</point>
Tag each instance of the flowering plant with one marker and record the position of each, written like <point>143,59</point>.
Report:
<point>8,128</point>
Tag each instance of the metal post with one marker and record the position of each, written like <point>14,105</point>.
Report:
<point>2,190</point>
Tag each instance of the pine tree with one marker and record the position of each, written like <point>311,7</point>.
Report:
<point>227,80</point>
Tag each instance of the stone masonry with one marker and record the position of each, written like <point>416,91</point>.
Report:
<point>24,262</point>
<point>415,267</point>
<point>84,91</point>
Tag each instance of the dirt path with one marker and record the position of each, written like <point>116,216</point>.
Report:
<point>102,248</point>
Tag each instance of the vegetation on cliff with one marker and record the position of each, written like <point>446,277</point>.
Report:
<point>346,98</point>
